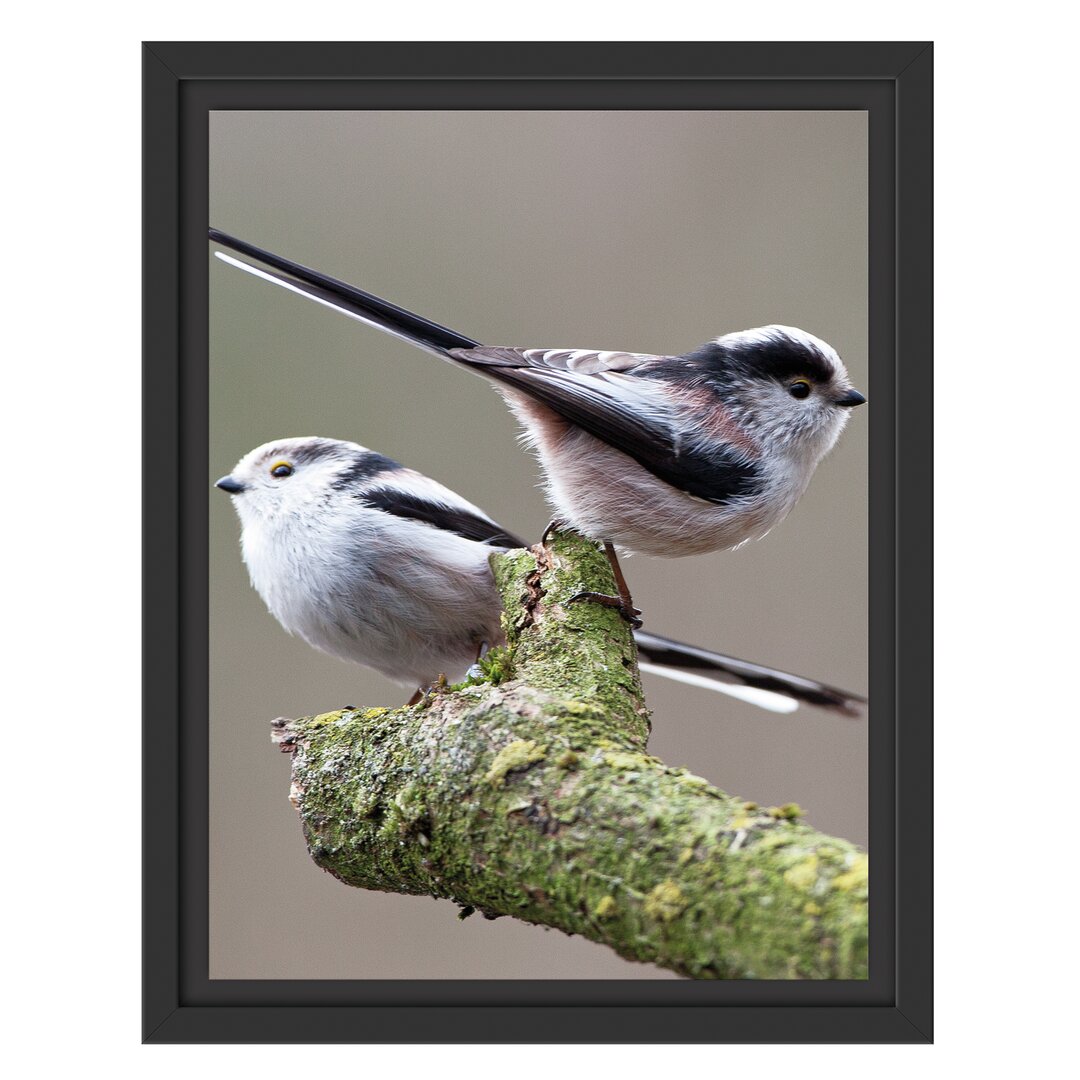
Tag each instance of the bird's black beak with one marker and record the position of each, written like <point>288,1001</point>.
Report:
<point>231,485</point>
<point>850,399</point>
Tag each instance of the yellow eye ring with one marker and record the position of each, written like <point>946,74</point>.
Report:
<point>281,469</point>
<point>799,389</point>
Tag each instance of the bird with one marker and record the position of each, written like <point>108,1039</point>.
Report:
<point>376,563</point>
<point>668,455</point>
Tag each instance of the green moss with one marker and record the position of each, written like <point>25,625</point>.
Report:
<point>581,654</point>
<point>666,902</point>
<point>410,803</point>
<point>510,568</point>
<point>855,878</point>
<point>497,666</point>
<point>365,804</point>
<point>581,708</point>
<point>605,907</point>
<point>323,719</point>
<point>567,759</point>
<point>803,875</point>
<point>516,756</point>
<point>624,761</point>
<point>691,781</point>
<point>774,840</point>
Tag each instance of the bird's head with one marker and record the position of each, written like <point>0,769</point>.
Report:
<point>293,476</point>
<point>789,389</point>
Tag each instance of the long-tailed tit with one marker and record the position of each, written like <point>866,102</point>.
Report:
<point>376,563</point>
<point>664,455</point>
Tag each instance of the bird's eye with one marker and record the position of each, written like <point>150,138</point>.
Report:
<point>799,389</point>
<point>281,469</point>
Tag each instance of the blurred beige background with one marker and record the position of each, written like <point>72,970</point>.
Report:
<point>645,231</point>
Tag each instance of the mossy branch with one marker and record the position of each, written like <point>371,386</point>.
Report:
<point>532,795</point>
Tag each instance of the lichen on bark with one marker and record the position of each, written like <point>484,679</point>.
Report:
<point>533,795</point>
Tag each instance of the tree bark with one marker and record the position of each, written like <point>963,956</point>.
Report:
<point>531,794</point>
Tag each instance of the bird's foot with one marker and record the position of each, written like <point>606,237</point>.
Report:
<point>627,611</point>
<point>476,670</point>
<point>554,525</point>
<point>425,695</point>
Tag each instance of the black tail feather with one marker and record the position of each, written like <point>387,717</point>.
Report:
<point>389,316</point>
<point>665,652</point>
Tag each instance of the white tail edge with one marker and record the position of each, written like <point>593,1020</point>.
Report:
<point>763,699</point>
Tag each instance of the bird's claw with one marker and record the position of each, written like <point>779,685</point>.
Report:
<point>554,525</point>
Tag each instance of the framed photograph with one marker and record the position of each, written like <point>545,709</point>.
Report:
<point>700,275</point>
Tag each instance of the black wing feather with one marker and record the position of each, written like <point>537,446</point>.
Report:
<point>718,476</point>
<point>451,519</point>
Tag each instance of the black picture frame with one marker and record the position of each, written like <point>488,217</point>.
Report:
<point>182,82</point>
